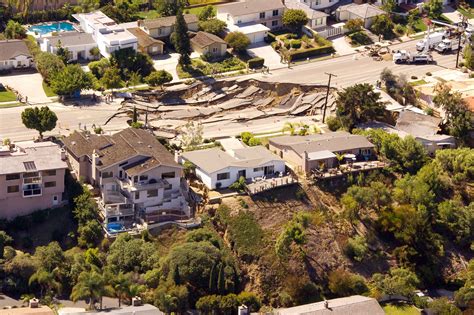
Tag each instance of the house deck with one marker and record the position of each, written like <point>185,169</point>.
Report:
<point>261,185</point>
<point>348,168</point>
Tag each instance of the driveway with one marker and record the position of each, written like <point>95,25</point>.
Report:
<point>168,63</point>
<point>341,46</point>
<point>27,84</point>
<point>264,50</point>
<point>452,14</point>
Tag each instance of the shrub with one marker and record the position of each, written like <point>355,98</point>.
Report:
<point>414,77</point>
<point>399,29</point>
<point>429,74</point>
<point>295,43</point>
<point>309,52</point>
<point>256,63</point>
<point>254,142</point>
<point>333,123</point>
<point>356,248</point>
<point>238,41</point>
<point>270,38</point>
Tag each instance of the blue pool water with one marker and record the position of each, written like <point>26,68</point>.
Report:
<point>115,227</point>
<point>51,27</point>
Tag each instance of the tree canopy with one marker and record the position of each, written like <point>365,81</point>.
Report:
<point>41,119</point>
<point>294,19</point>
<point>70,80</point>
<point>238,41</point>
<point>180,39</point>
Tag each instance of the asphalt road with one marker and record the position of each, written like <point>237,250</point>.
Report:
<point>349,70</point>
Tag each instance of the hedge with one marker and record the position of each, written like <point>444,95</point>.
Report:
<point>270,38</point>
<point>295,43</point>
<point>256,63</point>
<point>309,52</point>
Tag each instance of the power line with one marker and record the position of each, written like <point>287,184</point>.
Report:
<point>327,94</point>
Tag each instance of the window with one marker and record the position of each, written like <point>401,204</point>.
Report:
<point>143,177</point>
<point>168,175</point>
<point>274,23</point>
<point>214,50</point>
<point>32,174</point>
<point>168,187</point>
<point>152,193</point>
<point>262,15</point>
<point>275,12</point>
<point>49,173</point>
<point>137,195</point>
<point>258,169</point>
<point>13,176</point>
<point>223,176</point>
<point>239,21</point>
<point>107,174</point>
<point>49,184</point>
<point>13,189</point>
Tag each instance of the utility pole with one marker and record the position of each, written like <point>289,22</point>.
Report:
<point>327,94</point>
<point>461,29</point>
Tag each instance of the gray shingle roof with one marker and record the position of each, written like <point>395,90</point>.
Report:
<point>250,7</point>
<point>417,124</point>
<point>71,39</point>
<point>310,13</point>
<point>364,11</point>
<point>352,305</point>
<point>121,146</point>
<point>213,160</point>
<point>204,39</point>
<point>332,141</point>
<point>11,48</point>
<point>167,21</point>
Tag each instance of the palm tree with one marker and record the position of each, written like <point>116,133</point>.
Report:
<point>121,287</point>
<point>90,285</point>
<point>46,281</point>
<point>340,158</point>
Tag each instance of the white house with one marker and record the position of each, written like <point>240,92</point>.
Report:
<point>79,45</point>
<point>366,12</point>
<point>14,54</point>
<point>254,18</point>
<point>219,169</point>
<point>316,18</point>
<point>108,35</point>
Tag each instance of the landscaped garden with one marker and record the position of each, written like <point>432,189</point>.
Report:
<point>6,95</point>
<point>400,309</point>
<point>200,67</point>
<point>359,38</point>
<point>296,46</point>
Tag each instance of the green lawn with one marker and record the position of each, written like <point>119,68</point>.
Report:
<point>400,309</point>
<point>200,67</point>
<point>10,105</point>
<point>47,90</point>
<point>7,96</point>
<point>196,11</point>
<point>153,14</point>
<point>418,82</point>
<point>419,26</point>
<point>359,39</point>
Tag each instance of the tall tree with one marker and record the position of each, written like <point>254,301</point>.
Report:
<point>42,119</point>
<point>458,117</point>
<point>4,239</point>
<point>221,280</point>
<point>238,41</point>
<point>14,30</point>
<point>358,103</point>
<point>70,80</point>
<point>121,286</point>
<point>90,285</point>
<point>111,78</point>
<point>295,19</point>
<point>181,40</point>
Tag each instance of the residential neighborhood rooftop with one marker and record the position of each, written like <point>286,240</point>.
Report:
<point>417,124</point>
<point>167,21</point>
<point>250,7</point>
<point>310,13</point>
<point>121,146</point>
<point>11,48</point>
<point>30,156</point>
<point>332,141</point>
<point>354,305</point>
<point>143,38</point>
<point>71,39</point>
<point>364,11</point>
<point>204,39</point>
<point>214,159</point>
<point>41,310</point>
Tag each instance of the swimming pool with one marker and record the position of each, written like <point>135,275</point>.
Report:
<point>115,227</point>
<point>51,27</point>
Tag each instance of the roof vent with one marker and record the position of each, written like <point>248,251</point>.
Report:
<point>149,146</point>
<point>136,301</point>
<point>34,303</point>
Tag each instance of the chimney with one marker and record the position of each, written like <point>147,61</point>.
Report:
<point>176,156</point>
<point>326,304</point>
<point>305,155</point>
<point>34,303</point>
<point>136,301</point>
<point>63,154</point>
<point>95,161</point>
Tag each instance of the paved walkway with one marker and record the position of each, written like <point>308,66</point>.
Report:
<point>168,63</point>
<point>452,14</point>
<point>342,47</point>
<point>264,50</point>
<point>30,84</point>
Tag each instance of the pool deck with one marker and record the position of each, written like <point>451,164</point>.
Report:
<point>38,34</point>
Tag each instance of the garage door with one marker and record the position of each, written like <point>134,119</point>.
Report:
<point>259,37</point>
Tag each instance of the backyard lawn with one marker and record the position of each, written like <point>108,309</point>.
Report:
<point>200,67</point>
<point>150,14</point>
<point>197,10</point>
<point>153,14</point>
<point>469,15</point>
<point>359,39</point>
<point>6,95</point>
<point>400,309</point>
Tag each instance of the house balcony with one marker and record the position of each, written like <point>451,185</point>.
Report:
<point>348,168</point>
<point>142,185</point>
<point>264,183</point>
<point>116,209</point>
